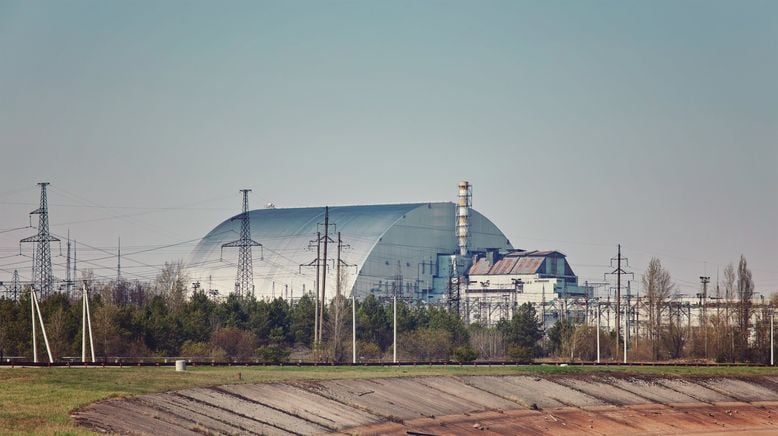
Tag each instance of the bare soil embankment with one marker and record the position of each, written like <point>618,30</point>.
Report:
<point>560,404</point>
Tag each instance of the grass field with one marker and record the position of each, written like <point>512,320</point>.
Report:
<point>39,400</point>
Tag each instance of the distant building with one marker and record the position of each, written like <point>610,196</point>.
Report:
<point>513,277</point>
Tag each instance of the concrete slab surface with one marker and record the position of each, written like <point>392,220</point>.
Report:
<point>570,404</point>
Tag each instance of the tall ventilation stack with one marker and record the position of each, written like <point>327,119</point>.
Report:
<point>464,203</point>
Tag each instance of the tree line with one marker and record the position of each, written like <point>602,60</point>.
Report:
<point>162,319</point>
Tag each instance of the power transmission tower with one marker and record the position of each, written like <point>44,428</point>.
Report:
<point>454,293</point>
<point>119,263</point>
<point>120,293</point>
<point>618,272</point>
<point>68,278</point>
<point>75,268</point>
<point>244,281</point>
<point>16,288</point>
<point>41,261</point>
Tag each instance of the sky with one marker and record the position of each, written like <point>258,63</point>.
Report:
<point>581,124</point>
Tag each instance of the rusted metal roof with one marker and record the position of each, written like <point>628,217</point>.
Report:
<point>508,265</point>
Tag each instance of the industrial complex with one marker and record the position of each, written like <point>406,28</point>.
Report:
<point>443,252</point>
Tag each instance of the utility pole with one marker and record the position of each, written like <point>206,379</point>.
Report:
<point>618,272</point>
<point>772,344</point>
<point>394,325</point>
<point>244,280</point>
<point>316,305</point>
<point>316,319</point>
<point>324,271</point>
<point>353,328</point>
<point>339,300</point>
<point>518,286</point>
<point>543,311</point>
<point>337,266</point>
<point>598,330</point>
<point>705,281</point>
<point>626,324</point>
<point>320,263</point>
<point>41,261</point>
<point>86,323</point>
<point>36,309</point>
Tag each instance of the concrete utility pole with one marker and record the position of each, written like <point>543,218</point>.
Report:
<point>618,296</point>
<point>394,346</point>
<point>316,320</point>
<point>705,281</point>
<point>86,323</point>
<point>324,271</point>
<point>598,330</point>
<point>32,318</point>
<point>353,329</point>
<point>626,326</point>
<point>772,345</point>
<point>543,310</point>
<point>318,291</point>
<point>36,309</point>
<point>320,264</point>
<point>618,272</point>
<point>339,283</point>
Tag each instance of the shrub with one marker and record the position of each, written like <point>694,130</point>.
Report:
<point>236,343</point>
<point>273,353</point>
<point>427,344</point>
<point>521,354</point>
<point>195,349</point>
<point>368,351</point>
<point>465,353</point>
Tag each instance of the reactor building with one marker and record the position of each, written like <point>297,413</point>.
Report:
<point>416,251</point>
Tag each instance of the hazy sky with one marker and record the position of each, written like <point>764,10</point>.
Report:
<point>581,124</point>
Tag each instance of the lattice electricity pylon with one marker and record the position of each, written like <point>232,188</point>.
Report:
<point>244,281</point>
<point>41,261</point>
<point>16,286</point>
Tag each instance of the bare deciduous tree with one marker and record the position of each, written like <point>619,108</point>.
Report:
<point>57,331</point>
<point>658,292</point>
<point>729,298</point>
<point>172,284</point>
<point>745,295</point>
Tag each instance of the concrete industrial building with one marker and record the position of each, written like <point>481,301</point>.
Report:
<point>504,280</point>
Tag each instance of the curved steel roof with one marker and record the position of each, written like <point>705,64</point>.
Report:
<point>285,235</point>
